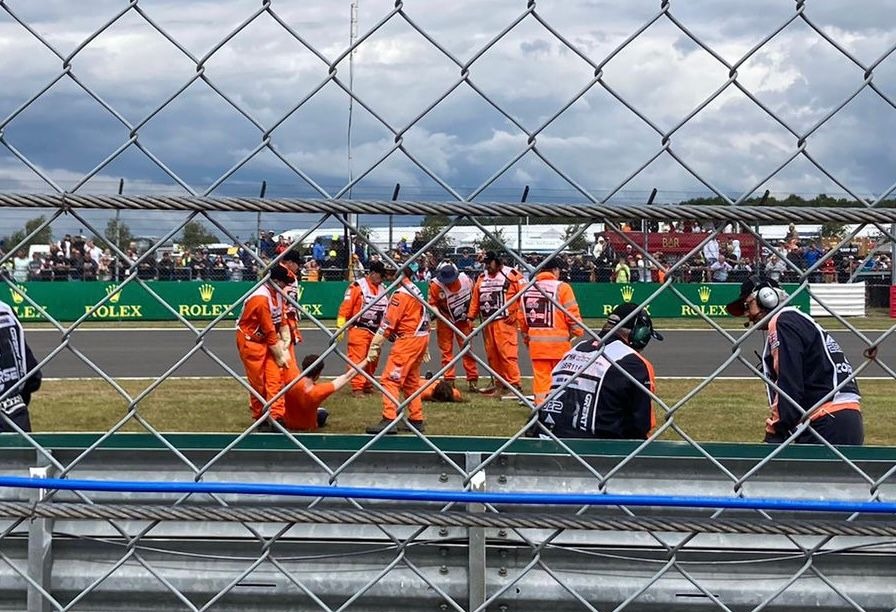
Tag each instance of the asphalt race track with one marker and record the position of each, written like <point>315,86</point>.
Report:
<point>152,352</point>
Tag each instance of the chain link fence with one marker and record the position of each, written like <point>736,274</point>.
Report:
<point>198,549</point>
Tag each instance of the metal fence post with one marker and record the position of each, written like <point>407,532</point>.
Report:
<point>476,538</point>
<point>40,543</point>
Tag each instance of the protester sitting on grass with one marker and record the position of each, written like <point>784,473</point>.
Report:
<point>303,400</point>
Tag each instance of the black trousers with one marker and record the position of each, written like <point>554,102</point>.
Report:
<point>841,427</point>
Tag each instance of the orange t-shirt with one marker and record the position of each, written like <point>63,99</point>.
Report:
<point>302,402</point>
<point>429,386</point>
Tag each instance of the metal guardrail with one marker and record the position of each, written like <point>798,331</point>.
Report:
<point>202,560</point>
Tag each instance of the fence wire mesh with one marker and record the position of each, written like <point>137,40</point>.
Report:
<point>413,567</point>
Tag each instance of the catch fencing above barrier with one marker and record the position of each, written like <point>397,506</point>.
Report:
<point>88,549</point>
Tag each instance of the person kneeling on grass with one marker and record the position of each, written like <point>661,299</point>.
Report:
<point>303,399</point>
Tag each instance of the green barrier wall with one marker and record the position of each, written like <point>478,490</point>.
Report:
<point>67,301</point>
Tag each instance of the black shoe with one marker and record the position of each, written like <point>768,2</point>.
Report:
<point>322,414</point>
<point>411,425</point>
<point>383,424</point>
<point>267,426</point>
<point>264,427</point>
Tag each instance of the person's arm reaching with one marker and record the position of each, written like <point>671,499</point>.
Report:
<point>343,379</point>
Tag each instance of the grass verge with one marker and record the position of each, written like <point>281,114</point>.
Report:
<point>725,411</point>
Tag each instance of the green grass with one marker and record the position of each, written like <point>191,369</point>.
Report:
<point>726,411</point>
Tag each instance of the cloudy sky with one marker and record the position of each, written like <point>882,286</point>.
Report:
<point>529,73</point>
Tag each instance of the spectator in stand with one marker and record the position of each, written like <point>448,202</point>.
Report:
<point>266,245</point>
<point>59,263</point>
<point>332,271</point>
<point>20,265</point>
<point>622,274</point>
<point>465,262</point>
<point>418,243</point>
<point>146,269</point>
<point>94,251</point>
<point>812,254</point>
<point>65,245</point>
<point>632,264</point>
<point>643,266</point>
<point>578,272</point>
<point>604,258</point>
<point>89,267</point>
<point>792,234</point>
<point>281,245</point>
<point>338,245</point>
<point>720,269</point>
<point>357,269</point>
<point>829,270</point>
<point>105,266</point>
<point>735,252</point>
<point>403,247</point>
<point>774,268</point>
<point>166,267</point>
<point>711,251</point>
<point>318,253</point>
<point>360,251</point>
<point>660,269</point>
<point>311,271</point>
<point>200,265</point>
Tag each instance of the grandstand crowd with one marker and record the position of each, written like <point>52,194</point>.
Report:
<point>331,258</point>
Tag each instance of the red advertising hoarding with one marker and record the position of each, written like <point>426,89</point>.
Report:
<point>678,244</point>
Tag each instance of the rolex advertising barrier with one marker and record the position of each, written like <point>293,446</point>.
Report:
<point>206,300</point>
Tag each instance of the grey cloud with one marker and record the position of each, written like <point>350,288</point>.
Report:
<point>598,142</point>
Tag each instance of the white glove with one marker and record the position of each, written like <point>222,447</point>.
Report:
<point>427,357</point>
<point>373,353</point>
<point>281,355</point>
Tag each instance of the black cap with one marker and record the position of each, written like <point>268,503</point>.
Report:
<point>293,255</point>
<point>377,267</point>
<point>624,310</point>
<point>736,307</point>
<point>279,273</point>
<point>555,263</point>
<point>491,256</point>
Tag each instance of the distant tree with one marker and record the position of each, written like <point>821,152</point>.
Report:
<point>196,234</point>
<point>44,236</point>
<point>496,242</point>
<point>118,233</point>
<point>580,242</point>
<point>430,228</point>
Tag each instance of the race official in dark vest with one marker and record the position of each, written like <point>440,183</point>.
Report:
<point>808,377</point>
<point>19,375</point>
<point>604,394</point>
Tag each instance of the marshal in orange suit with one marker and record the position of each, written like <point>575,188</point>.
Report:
<point>549,319</point>
<point>366,296</point>
<point>262,337</point>
<point>450,292</point>
<point>406,322</point>
<point>494,289</point>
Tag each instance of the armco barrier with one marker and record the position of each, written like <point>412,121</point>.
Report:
<point>175,562</point>
<point>198,300</point>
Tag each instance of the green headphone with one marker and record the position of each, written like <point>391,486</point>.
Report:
<point>642,331</point>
